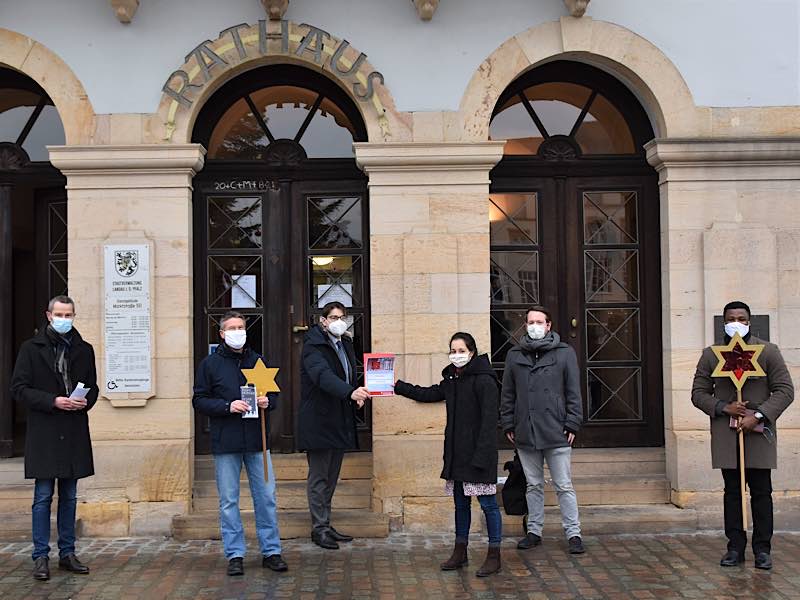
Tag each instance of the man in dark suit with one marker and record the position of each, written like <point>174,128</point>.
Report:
<point>326,420</point>
<point>57,444</point>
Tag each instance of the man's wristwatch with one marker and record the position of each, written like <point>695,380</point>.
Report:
<point>760,416</point>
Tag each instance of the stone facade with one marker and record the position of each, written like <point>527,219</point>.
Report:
<point>721,170</point>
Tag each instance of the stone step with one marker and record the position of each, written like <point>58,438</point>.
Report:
<point>292,523</point>
<point>17,527</point>
<point>616,490</point>
<point>350,494</point>
<point>618,519</point>
<point>608,461</point>
<point>293,467</point>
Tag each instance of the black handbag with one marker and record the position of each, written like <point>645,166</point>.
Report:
<point>514,488</point>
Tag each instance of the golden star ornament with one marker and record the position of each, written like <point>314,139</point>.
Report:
<point>738,361</point>
<point>262,377</point>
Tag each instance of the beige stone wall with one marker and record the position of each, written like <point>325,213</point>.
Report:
<point>730,230</point>
<point>143,448</point>
<point>429,244</point>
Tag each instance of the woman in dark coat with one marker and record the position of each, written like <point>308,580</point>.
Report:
<point>470,391</point>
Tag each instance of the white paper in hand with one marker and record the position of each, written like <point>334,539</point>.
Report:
<point>80,391</point>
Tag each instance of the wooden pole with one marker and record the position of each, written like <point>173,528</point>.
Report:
<point>741,466</point>
<point>264,443</point>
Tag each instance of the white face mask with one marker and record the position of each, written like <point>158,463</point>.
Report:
<point>734,327</point>
<point>537,331</point>
<point>460,360</point>
<point>337,327</point>
<point>235,338</point>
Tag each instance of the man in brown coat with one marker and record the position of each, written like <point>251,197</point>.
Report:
<point>768,396</point>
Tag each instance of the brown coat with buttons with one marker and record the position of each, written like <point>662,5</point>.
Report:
<point>770,395</point>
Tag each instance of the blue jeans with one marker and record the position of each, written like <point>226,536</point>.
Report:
<point>558,461</point>
<point>494,522</point>
<point>40,514</point>
<point>228,468</point>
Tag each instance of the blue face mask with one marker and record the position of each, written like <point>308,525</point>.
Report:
<point>62,325</point>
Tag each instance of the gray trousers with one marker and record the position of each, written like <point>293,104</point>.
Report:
<point>323,474</point>
<point>558,461</point>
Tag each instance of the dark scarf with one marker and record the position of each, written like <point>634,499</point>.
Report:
<point>61,346</point>
<point>548,342</point>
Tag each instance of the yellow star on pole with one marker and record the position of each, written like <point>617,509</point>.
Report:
<point>262,377</point>
<point>738,361</point>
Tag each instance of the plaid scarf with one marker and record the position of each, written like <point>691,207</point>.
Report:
<point>61,347</point>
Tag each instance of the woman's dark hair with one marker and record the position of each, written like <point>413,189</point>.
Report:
<point>467,339</point>
<point>326,310</point>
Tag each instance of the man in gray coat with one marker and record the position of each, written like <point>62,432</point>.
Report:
<point>766,398</point>
<point>541,411</point>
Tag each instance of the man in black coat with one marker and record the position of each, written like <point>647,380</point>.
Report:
<point>326,423</point>
<point>236,440</point>
<point>48,369</point>
<point>541,411</point>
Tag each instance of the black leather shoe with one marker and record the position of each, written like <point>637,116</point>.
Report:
<point>324,540</point>
<point>235,566</point>
<point>41,569</point>
<point>529,541</point>
<point>763,561</point>
<point>576,545</point>
<point>274,562</point>
<point>71,563</point>
<point>339,537</point>
<point>732,558</point>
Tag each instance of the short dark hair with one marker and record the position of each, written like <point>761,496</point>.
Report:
<point>467,339</point>
<point>733,306</point>
<point>62,299</point>
<point>541,309</point>
<point>326,310</point>
<point>231,314</point>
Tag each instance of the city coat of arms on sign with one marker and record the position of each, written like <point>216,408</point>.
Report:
<point>126,262</point>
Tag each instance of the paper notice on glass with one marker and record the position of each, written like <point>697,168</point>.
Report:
<point>338,292</point>
<point>249,395</point>
<point>243,291</point>
<point>80,391</point>
<point>379,374</point>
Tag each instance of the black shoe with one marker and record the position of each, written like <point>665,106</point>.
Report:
<point>324,540</point>
<point>41,569</point>
<point>732,558</point>
<point>71,563</point>
<point>576,545</point>
<point>274,562</point>
<point>339,537</point>
<point>763,561</point>
<point>529,541</point>
<point>235,566</point>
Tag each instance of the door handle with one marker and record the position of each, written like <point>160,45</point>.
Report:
<point>299,328</point>
<point>574,322</point>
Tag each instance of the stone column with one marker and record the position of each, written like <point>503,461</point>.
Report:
<point>730,229</point>
<point>143,453</point>
<point>429,272</point>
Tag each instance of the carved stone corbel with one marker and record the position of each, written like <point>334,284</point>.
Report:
<point>576,7</point>
<point>125,9</point>
<point>275,8</point>
<point>426,8</point>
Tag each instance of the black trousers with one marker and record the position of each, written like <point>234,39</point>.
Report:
<point>323,475</point>
<point>759,481</point>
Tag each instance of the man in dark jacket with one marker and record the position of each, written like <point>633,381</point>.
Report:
<point>236,440</point>
<point>48,370</point>
<point>541,412</point>
<point>326,423</point>
<point>767,398</point>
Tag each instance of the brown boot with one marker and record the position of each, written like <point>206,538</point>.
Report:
<point>458,559</point>
<point>491,564</point>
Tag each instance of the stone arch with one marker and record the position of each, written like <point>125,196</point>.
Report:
<point>644,68</point>
<point>245,47</point>
<point>41,64</point>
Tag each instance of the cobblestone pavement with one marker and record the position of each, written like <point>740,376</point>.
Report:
<point>404,566</point>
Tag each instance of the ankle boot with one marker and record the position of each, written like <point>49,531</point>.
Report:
<point>492,562</point>
<point>458,559</point>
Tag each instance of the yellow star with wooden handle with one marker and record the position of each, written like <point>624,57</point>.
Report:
<point>262,377</point>
<point>738,360</point>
